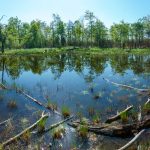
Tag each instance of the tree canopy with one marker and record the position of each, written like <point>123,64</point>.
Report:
<point>88,31</point>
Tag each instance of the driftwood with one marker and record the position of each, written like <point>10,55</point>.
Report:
<point>132,141</point>
<point>44,116</point>
<point>129,87</point>
<point>118,116</point>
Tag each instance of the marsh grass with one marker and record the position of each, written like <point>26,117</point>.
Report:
<point>58,132</point>
<point>146,108</point>
<point>26,136</point>
<point>124,117</point>
<point>65,111</point>
<point>51,105</point>
<point>12,104</point>
<point>83,131</point>
<point>96,119</point>
<point>41,125</point>
<point>91,111</point>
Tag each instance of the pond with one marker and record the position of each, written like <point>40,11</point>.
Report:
<point>73,80</point>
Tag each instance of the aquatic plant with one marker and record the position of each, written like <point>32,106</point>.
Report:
<point>58,132</point>
<point>84,121</point>
<point>26,136</point>
<point>91,111</point>
<point>65,111</point>
<point>96,119</point>
<point>83,131</point>
<point>12,104</point>
<point>124,116</point>
<point>41,125</point>
<point>51,105</point>
<point>146,107</point>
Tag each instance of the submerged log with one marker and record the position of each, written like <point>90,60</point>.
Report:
<point>33,126</point>
<point>57,124</point>
<point>130,143</point>
<point>1,123</point>
<point>37,102</point>
<point>118,116</point>
<point>129,87</point>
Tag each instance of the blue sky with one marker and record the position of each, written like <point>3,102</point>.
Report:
<point>108,11</point>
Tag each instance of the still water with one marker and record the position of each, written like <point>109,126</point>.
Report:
<point>72,80</point>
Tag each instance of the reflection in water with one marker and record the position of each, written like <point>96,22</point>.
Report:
<point>74,80</point>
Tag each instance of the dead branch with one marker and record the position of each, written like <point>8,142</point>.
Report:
<point>44,116</point>
<point>118,116</point>
<point>132,141</point>
<point>36,101</point>
<point>5,121</point>
<point>127,86</point>
<point>57,124</point>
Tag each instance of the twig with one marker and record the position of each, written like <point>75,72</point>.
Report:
<point>118,116</point>
<point>132,141</point>
<point>24,131</point>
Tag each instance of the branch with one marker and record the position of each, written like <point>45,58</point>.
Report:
<point>127,86</point>
<point>118,116</point>
<point>5,121</point>
<point>24,131</point>
<point>132,141</point>
<point>57,124</point>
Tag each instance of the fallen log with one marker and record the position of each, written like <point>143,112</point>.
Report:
<point>33,126</point>
<point>129,87</point>
<point>116,129</point>
<point>118,116</point>
<point>109,130</point>
<point>130,143</point>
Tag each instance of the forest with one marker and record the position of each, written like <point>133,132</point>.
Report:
<point>88,31</point>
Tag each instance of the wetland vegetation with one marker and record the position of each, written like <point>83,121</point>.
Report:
<point>74,85</point>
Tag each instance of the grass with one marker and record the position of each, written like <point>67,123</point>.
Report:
<point>83,131</point>
<point>65,111</point>
<point>12,104</point>
<point>26,136</point>
<point>124,117</point>
<point>58,132</point>
<point>41,125</point>
<point>51,105</point>
<point>93,50</point>
<point>96,119</point>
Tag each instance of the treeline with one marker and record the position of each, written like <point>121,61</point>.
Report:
<point>88,31</point>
